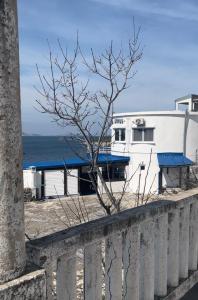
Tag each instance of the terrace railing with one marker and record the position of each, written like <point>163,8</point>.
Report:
<point>142,253</point>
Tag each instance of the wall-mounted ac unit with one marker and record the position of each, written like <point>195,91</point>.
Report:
<point>140,122</point>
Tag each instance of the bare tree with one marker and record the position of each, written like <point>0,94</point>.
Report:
<point>71,101</point>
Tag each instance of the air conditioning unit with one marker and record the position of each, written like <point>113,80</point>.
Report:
<point>140,122</point>
<point>32,168</point>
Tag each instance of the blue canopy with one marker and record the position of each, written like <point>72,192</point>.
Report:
<point>76,162</point>
<point>172,159</point>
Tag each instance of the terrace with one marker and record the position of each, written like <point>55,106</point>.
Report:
<point>144,253</point>
<point>149,252</point>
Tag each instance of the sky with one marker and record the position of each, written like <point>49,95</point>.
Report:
<point>169,38</point>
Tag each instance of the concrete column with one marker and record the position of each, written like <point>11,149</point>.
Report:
<point>66,278</point>
<point>113,268</point>
<point>193,237</point>
<point>12,242</point>
<point>131,263</point>
<point>49,267</point>
<point>184,241</point>
<point>173,249</point>
<point>93,272</point>
<point>147,261</point>
<point>161,248</point>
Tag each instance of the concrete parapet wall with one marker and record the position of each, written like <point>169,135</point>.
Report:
<point>31,286</point>
<point>149,251</point>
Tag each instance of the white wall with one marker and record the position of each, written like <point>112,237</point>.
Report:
<point>168,137</point>
<point>32,180</point>
<point>170,179</point>
<point>168,133</point>
<point>72,182</point>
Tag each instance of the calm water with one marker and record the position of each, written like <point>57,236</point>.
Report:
<point>49,148</point>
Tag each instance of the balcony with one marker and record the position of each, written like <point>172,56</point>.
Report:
<point>149,252</point>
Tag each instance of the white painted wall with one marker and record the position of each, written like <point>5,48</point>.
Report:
<point>169,136</point>
<point>72,182</point>
<point>29,179</point>
<point>54,183</point>
<point>170,179</point>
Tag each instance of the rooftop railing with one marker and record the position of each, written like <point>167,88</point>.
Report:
<point>142,253</point>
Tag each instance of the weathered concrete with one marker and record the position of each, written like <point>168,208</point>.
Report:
<point>93,272</point>
<point>66,278</point>
<point>30,286</point>
<point>113,267</point>
<point>193,237</point>
<point>150,249</point>
<point>147,272</point>
<point>161,247</point>
<point>12,243</point>
<point>184,241</point>
<point>183,288</point>
<point>131,259</point>
<point>173,249</point>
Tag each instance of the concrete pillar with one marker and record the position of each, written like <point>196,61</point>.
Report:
<point>173,249</point>
<point>147,261</point>
<point>184,241</point>
<point>93,272</point>
<point>66,278</point>
<point>12,243</point>
<point>113,268</point>
<point>161,248</point>
<point>49,267</point>
<point>131,263</point>
<point>193,237</point>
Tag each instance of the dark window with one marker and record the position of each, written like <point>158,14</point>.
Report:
<point>122,134</point>
<point>137,135</point>
<point>143,134</point>
<point>119,134</point>
<point>148,134</point>
<point>113,173</point>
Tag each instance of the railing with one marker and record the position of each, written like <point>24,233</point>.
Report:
<point>141,252</point>
<point>105,149</point>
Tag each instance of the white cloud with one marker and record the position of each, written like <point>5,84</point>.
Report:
<point>173,9</point>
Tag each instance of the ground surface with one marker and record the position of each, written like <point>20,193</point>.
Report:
<point>45,217</point>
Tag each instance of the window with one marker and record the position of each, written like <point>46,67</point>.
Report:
<point>143,134</point>
<point>118,121</point>
<point>120,134</point>
<point>113,173</point>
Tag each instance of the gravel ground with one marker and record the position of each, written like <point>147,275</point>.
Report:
<point>45,217</point>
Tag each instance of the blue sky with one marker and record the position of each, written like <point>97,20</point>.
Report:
<point>169,35</point>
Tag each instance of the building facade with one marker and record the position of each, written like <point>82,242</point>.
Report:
<point>70,177</point>
<point>162,145</point>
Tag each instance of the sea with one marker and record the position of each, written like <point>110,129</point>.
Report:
<point>50,148</point>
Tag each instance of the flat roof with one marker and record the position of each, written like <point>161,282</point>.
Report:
<point>189,96</point>
<point>75,162</point>
<point>156,113</point>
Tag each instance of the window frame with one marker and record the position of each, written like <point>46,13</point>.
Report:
<point>120,135</point>
<point>143,128</point>
<point>111,177</point>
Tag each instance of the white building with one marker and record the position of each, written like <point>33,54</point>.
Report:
<point>153,151</point>
<point>161,145</point>
<point>70,177</point>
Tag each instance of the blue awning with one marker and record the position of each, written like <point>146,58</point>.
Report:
<point>77,162</point>
<point>172,159</point>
